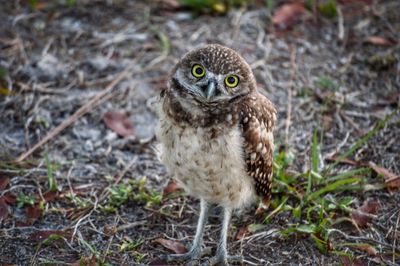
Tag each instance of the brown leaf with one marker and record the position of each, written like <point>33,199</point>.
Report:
<point>392,180</point>
<point>4,181</point>
<point>172,245</point>
<point>363,215</point>
<point>10,198</point>
<point>369,249</point>
<point>44,234</point>
<point>381,41</point>
<point>288,14</point>
<point>346,261</point>
<point>336,158</point>
<point>169,4</point>
<point>171,187</point>
<point>87,261</point>
<point>119,123</point>
<point>50,196</point>
<point>4,211</point>
<point>242,233</point>
<point>33,212</point>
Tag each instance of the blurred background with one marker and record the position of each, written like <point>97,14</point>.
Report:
<point>95,192</point>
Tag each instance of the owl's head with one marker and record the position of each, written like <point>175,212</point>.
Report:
<point>212,74</point>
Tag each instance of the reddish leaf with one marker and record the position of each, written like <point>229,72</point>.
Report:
<point>4,181</point>
<point>88,261</point>
<point>171,187</point>
<point>4,212</point>
<point>170,4</point>
<point>172,245</point>
<point>33,212</point>
<point>369,249</point>
<point>10,198</point>
<point>50,196</point>
<point>242,233</point>
<point>392,180</point>
<point>363,215</point>
<point>44,234</point>
<point>288,14</point>
<point>381,41</point>
<point>343,160</point>
<point>346,261</point>
<point>119,123</point>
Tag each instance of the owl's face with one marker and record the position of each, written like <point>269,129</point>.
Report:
<point>213,74</point>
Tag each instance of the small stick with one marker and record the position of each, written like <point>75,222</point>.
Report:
<point>290,88</point>
<point>96,100</point>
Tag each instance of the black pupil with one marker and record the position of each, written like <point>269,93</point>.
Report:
<point>198,70</point>
<point>231,80</point>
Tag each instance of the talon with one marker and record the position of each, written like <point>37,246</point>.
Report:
<point>192,255</point>
<point>225,260</point>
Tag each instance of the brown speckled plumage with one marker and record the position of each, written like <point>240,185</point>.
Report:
<point>215,139</point>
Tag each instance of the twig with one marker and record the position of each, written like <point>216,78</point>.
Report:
<point>131,225</point>
<point>95,101</point>
<point>394,241</point>
<point>292,77</point>
<point>340,24</point>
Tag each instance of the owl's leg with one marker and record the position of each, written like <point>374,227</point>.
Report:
<point>195,251</point>
<point>221,257</point>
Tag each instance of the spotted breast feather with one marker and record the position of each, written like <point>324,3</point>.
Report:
<point>258,117</point>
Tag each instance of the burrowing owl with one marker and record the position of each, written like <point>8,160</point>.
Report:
<point>215,136</point>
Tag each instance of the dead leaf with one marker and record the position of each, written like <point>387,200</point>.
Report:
<point>336,158</point>
<point>10,198</point>
<point>369,249</point>
<point>119,123</point>
<point>50,196</point>
<point>347,261</point>
<point>378,40</point>
<point>244,231</point>
<point>33,213</point>
<point>4,211</point>
<point>392,180</point>
<point>171,187</point>
<point>172,245</point>
<point>4,181</point>
<point>287,15</point>
<point>364,214</point>
<point>169,4</point>
<point>88,261</point>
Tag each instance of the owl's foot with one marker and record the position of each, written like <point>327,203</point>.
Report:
<point>224,260</point>
<point>193,256</point>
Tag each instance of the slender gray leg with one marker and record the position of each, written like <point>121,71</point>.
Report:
<point>195,251</point>
<point>221,257</point>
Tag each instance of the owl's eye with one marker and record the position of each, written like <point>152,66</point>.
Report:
<point>231,81</point>
<point>198,71</point>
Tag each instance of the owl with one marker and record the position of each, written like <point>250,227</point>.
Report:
<point>215,137</point>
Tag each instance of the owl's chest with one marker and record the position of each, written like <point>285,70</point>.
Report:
<point>208,166</point>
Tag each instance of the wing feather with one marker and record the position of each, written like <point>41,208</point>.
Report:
<point>258,117</point>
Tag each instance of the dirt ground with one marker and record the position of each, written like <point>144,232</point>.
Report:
<point>329,73</point>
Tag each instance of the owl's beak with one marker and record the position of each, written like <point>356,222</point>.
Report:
<point>211,87</point>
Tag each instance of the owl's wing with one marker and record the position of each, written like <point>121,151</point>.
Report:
<point>258,117</point>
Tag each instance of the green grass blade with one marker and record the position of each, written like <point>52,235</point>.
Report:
<point>315,153</point>
<point>332,187</point>
<point>52,181</point>
<point>347,174</point>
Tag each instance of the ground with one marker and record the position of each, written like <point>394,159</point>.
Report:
<point>337,75</point>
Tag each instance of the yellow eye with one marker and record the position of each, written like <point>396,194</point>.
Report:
<point>198,71</point>
<point>231,81</point>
